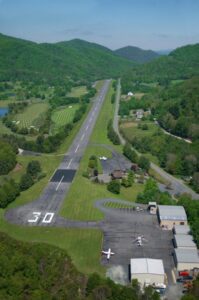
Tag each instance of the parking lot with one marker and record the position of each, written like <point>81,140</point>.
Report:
<point>122,226</point>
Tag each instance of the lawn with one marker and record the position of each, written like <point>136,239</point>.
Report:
<point>63,116</point>
<point>78,91</point>
<point>32,115</point>
<point>131,130</point>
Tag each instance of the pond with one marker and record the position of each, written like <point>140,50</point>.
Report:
<point>3,111</point>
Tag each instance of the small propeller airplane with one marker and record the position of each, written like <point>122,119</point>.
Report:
<point>139,240</point>
<point>108,253</point>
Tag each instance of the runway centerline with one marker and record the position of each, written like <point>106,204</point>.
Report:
<point>59,183</point>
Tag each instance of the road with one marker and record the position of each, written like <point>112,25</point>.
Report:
<point>177,185</point>
<point>44,210</point>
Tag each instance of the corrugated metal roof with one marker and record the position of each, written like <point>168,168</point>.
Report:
<point>182,229</point>
<point>147,266</point>
<point>184,240</point>
<point>186,255</point>
<point>172,212</point>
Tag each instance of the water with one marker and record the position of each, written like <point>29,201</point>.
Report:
<point>3,111</point>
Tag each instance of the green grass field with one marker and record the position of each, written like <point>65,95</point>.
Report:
<point>31,115</point>
<point>78,91</point>
<point>63,116</point>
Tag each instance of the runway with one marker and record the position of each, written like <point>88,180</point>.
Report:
<point>44,210</point>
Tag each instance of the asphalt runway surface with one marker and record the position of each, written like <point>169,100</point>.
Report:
<point>44,211</point>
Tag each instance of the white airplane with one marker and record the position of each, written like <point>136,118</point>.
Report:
<point>103,158</point>
<point>108,253</point>
<point>139,240</point>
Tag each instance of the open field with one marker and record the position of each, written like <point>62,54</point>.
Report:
<point>63,116</point>
<point>131,130</point>
<point>78,91</point>
<point>31,115</point>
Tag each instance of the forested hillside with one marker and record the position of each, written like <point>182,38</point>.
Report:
<point>178,112</point>
<point>182,63</point>
<point>137,54</point>
<point>20,59</point>
<point>39,271</point>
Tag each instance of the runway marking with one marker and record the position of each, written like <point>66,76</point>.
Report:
<point>82,137</point>
<point>87,128</point>
<point>69,163</point>
<point>48,218</point>
<point>77,148</point>
<point>52,175</point>
<point>36,216</point>
<point>59,182</point>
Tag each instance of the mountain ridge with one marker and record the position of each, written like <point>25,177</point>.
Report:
<point>136,54</point>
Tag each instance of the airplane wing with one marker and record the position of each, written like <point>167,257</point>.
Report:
<point>104,252</point>
<point>112,253</point>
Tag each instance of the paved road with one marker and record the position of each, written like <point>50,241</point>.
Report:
<point>178,187</point>
<point>116,115</point>
<point>44,211</point>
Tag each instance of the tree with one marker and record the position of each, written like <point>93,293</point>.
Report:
<point>129,153</point>
<point>26,182</point>
<point>114,186</point>
<point>195,181</point>
<point>144,163</point>
<point>34,168</point>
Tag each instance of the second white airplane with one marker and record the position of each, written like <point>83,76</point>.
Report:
<point>108,253</point>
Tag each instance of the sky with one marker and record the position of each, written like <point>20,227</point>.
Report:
<point>149,24</point>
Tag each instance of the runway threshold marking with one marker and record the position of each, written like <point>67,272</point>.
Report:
<point>69,163</point>
<point>59,183</point>
<point>77,148</point>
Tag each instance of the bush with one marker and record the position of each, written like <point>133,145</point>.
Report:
<point>114,186</point>
<point>144,163</point>
<point>26,182</point>
<point>130,154</point>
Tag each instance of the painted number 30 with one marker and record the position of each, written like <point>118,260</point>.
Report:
<point>37,215</point>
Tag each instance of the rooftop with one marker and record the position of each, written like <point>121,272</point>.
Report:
<point>182,229</point>
<point>184,240</point>
<point>186,255</point>
<point>147,266</point>
<point>172,212</point>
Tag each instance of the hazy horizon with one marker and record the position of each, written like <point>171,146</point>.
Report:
<point>147,24</point>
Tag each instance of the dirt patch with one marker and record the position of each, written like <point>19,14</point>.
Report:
<point>139,95</point>
<point>128,125</point>
<point>18,167</point>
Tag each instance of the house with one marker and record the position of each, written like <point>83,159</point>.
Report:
<point>130,94</point>
<point>118,174</point>
<point>139,114</point>
<point>104,178</point>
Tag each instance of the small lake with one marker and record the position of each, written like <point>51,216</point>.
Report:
<point>3,111</point>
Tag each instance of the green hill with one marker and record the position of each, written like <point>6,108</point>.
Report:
<point>182,63</point>
<point>20,59</point>
<point>137,54</point>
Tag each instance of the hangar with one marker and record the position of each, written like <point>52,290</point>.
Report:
<point>147,271</point>
<point>181,229</point>
<point>184,241</point>
<point>186,259</point>
<point>171,215</point>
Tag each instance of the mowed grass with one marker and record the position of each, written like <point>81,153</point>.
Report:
<point>63,116</point>
<point>79,203</point>
<point>31,114</point>
<point>83,245</point>
<point>131,130</point>
<point>78,91</point>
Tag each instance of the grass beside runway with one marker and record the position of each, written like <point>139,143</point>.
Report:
<point>83,245</point>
